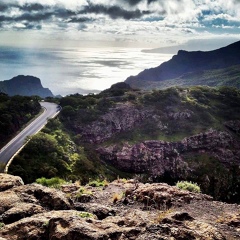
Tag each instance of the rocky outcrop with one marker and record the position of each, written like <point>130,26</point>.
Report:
<point>158,157</point>
<point>9,181</point>
<point>121,118</point>
<point>29,197</point>
<point>156,211</point>
<point>233,125</point>
<point>25,86</point>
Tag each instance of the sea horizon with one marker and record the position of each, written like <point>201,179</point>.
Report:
<point>77,70</point>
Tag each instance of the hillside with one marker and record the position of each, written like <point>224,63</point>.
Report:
<point>24,86</point>
<point>189,68</point>
<point>214,78</point>
<point>161,135</point>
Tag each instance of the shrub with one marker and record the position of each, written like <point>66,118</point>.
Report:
<point>189,186</point>
<point>85,215</point>
<point>52,182</point>
<point>2,225</point>
<point>98,183</point>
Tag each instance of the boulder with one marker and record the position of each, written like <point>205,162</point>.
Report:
<point>48,198</point>
<point>20,211</point>
<point>8,181</point>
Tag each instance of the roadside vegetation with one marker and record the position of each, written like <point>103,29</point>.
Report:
<point>52,154</point>
<point>15,112</point>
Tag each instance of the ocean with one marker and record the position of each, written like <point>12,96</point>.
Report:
<point>77,70</point>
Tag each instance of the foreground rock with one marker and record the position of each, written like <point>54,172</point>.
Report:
<point>8,181</point>
<point>123,210</point>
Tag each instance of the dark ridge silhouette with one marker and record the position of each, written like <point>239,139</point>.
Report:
<point>186,62</point>
<point>25,86</point>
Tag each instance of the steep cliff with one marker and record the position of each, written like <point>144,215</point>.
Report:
<point>25,86</point>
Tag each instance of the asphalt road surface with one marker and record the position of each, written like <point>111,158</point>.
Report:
<point>9,150</point>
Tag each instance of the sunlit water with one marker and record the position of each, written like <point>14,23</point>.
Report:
<point>67,71</point>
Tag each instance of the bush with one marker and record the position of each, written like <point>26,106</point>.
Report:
<point>98,183</point>
<point>52,182</point>
<point>189,186</point>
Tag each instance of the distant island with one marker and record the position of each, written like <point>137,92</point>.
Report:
<point>24,86</point>
<point>218,67</point>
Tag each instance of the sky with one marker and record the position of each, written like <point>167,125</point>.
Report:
<point>118,23</point>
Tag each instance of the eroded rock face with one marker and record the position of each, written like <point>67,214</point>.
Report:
<point>159,157</point>
<point>140,213</point>
<point>233,125</point>
<point>122,118</point>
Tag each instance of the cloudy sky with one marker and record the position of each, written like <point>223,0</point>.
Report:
<point>128,23</point>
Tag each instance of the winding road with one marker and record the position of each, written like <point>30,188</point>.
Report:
<point>16,144</point>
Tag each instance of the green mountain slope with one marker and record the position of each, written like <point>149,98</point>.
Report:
<point>214,78</point>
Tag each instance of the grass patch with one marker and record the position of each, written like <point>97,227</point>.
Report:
<point>98,183</point>
<point>85,215</point>
<point>52,182</point>
<point>189,186</point>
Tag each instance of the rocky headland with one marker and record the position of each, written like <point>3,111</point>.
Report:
<point>123,209</point>
<point>24,86</point>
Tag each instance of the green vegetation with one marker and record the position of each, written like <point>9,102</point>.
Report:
<point>15,112</point>
<point>98,183</point>
<point>189,186</point>
<point>52,153</point>
<point>52,182</point>
<point>85,215</point>
<point>1,225</point>
<point>214,78</point>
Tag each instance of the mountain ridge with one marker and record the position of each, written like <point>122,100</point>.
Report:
<point>188,62</point>
<point>30,85</point>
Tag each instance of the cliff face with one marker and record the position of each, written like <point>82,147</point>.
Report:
<point>24,85</point>
<point>121,210</point>
<point>158,158</point>
<point>188,62</point>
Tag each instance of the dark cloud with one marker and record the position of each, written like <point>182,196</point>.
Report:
<point>32,7</point>
<point>151,1</point>
<point>62,12</point>
<point>4,18</point>
<point>36,17</point>
<point>5,7</point>
<point>113,12</point>
<point>133,2</point>
<point>37,12</point>
<point>80,20</point>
